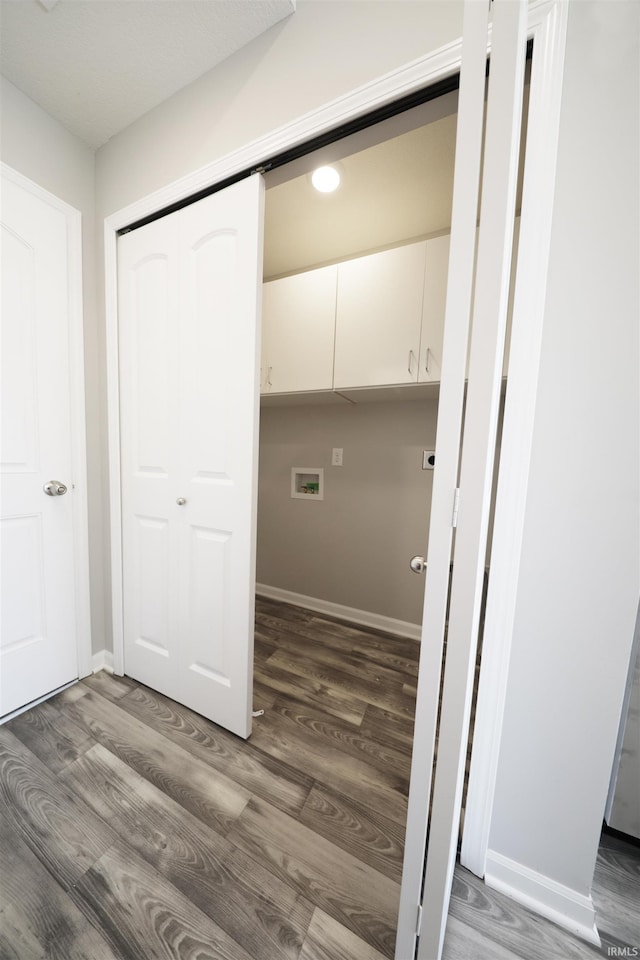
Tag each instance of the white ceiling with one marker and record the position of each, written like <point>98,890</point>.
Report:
<point>98,65</point>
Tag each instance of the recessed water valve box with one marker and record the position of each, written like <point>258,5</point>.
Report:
<point>307,483</point>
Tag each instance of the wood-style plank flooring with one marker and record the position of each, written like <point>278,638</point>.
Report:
<point>132,828</point>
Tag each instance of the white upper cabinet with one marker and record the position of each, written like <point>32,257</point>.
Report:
<point>298,328</point>
<point>379,318</point>
<point>374,321</point>
<point>433,310</point>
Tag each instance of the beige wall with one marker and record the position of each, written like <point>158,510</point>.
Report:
<point>41,149</point>
<point>354,546</point>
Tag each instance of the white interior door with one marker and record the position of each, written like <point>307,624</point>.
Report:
<point>435,796</point>
<point>39,601</point>
<point>189,331</point>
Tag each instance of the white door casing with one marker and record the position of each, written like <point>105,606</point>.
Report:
<point>533,236</point>
<point>189,298</point>
<point>547,27</point>
<point>45,636</point>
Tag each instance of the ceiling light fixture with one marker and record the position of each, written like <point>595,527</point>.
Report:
<point>326,179</point>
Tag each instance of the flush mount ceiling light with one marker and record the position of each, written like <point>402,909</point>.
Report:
<point>326,179</point>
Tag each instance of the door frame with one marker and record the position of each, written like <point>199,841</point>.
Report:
<point>543,128</point>
<point>547,27</point>
<point>78,480</point>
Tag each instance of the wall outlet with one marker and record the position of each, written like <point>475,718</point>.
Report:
<point>336,457</point>
<point>428,459</point>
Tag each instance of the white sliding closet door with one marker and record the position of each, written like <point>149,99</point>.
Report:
<point>435,798</point>
<point>189,330</point>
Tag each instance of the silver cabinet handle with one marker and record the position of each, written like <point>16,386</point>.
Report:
<point>53,488</point>
<point>181,501</point>
<point>409,364</point>
<point>418,564</point>
<point>426,362</point>
<point>269,369</point>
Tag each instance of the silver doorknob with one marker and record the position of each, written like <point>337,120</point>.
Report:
<point>418,564</point>
<point>181,501</point>
<point>53,488</point>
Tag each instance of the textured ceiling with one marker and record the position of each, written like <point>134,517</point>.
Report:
<point>98,65</point>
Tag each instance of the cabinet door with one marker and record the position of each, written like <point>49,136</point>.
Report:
<point>378,318</point>
<point>433,308</point>
<point>298,329</point>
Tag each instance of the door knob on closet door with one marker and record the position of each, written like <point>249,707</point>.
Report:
<point>418,564</point>
<point>181,501</point>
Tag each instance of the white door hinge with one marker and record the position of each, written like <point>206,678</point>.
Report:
<point>456,503</point>
<point>419,920</point>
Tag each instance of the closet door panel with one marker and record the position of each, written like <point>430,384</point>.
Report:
<point>150,559</point>
<point>148,301</point>
<point>378,317</point>
<point>210,470</point>
<point>208,559</point>
<point>151,367</point>
<point>190,286</point>
<point>206,333</point>
<point>220,299</point>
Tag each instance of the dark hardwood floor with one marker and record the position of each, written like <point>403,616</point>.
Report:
<point>132,828</point>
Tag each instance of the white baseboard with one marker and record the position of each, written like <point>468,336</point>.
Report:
<point>363,618</point>
<point>545,896</point>
<point>102,660</point>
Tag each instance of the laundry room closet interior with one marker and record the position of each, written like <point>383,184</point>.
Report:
<point>353,318</point>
